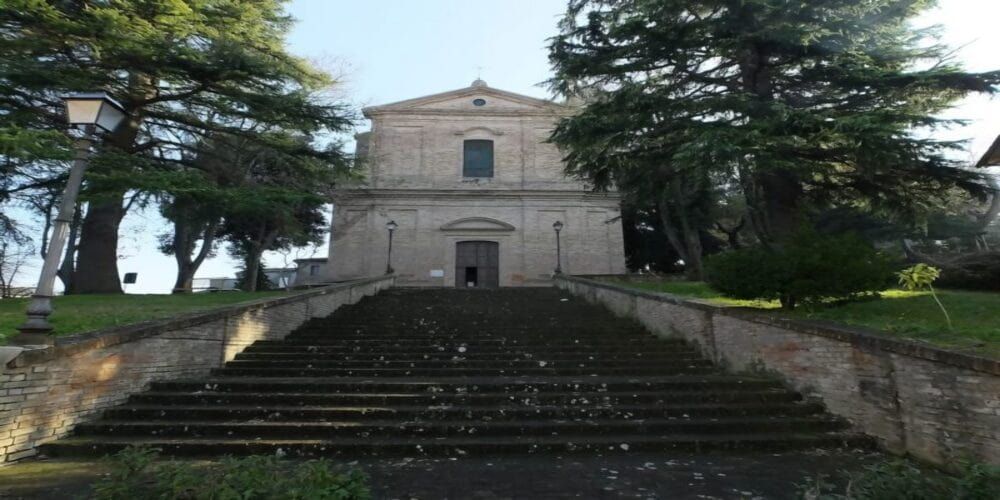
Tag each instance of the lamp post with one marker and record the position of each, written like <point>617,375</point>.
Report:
<point>558,227</point>
<point>391,226</point>
<point>89,112</point>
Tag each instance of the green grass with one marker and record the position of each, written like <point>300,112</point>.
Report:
<point>696,290</point>
<point>81,313</point>
<point>911,315</point>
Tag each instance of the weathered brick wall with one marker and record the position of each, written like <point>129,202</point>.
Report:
<point>45,392</point>
<point>933,404</point>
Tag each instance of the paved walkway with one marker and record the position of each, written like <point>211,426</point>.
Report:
<point>640,475</point>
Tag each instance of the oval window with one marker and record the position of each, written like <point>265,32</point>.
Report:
<point>479,102</point>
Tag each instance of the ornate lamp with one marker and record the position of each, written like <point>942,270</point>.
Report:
<point>558,227</point>
<point>391,226</point>
<point>88,111</point>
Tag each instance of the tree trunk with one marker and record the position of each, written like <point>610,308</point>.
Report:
<point>693,268</point>
<point>185,277</point>
<point>97,262</point>
<point>779,192</point>
<point>251,268</point>
<point>733,234</point>
<point>692,236</point>
<point>684,240</point>
<point>673,236</point>
<point>184,243</point>
<point>68,265</point>
<point>782,204</point>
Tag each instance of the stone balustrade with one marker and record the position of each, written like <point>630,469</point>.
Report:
<point>933,404</point>
<point>45,392</point>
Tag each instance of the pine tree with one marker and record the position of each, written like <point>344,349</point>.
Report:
<point>803,104</point>
<point>183,69</point>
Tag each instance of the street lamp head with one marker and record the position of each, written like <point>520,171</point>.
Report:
<point>391,225</point>
<point>557,226</point>
<point>94,108</point>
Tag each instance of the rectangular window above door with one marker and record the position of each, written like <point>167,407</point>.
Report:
<point>477,158</point>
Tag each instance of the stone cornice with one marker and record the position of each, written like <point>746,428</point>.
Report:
<point>473,194</point>
<point>541,106</point>
<point>373,113</point>
<point>478,224</point>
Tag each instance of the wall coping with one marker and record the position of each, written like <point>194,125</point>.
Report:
<point>106,337</point>
<point>863,338</point>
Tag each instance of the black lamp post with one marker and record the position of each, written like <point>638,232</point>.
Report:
<point>558,227</point>
<point>89,112</point>
<point>391,226</point>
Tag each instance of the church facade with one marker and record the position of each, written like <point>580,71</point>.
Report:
<point>473,190</point>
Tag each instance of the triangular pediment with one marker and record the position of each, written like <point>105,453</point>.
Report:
<point>476,98</point>
<point>479,224</point>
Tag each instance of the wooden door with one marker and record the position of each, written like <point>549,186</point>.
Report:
<point>477,264</point>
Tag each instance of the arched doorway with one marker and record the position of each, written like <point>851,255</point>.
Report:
<point>477,264</point>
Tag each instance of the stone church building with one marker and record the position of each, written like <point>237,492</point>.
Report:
<point>474,190</point>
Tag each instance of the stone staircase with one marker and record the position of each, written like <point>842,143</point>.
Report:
<point>454,372</point>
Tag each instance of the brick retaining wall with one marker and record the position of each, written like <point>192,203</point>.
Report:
<point>933,404</point>
<point>45,392</point>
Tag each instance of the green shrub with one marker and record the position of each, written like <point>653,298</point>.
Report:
<point>137,473</point>
<point>902,480</point>
<point>809,268</point>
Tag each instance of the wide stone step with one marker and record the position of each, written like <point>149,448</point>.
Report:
<point>482,446</point>
<point>464,398</point>
<point>502,350</point>
<point>584,408</point>
<point>439,336</point>
<point>685,368</point>
<point>449,429</point>
<point>473,342</point>
<point>477,364</point>
<point>565,357</point>
<point>445,385</point>
<point>588,329</point>
<point>452,373</point>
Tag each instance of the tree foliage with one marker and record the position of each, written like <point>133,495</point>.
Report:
<point>801,106</point>
<point>809,268</point>
<point>185,71</point>
<point>265,205</point>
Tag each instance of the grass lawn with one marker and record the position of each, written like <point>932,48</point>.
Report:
<point>913,315</point>
<point>81,313</point>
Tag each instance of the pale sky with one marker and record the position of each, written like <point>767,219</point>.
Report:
<point>390,50</point>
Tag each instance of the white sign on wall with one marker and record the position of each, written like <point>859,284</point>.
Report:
<point>437,273</point>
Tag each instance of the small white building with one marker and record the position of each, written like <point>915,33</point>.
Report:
<point>475,188</point>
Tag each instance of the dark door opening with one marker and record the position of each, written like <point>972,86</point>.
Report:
<point>471,276</point>
<point>477,264</point>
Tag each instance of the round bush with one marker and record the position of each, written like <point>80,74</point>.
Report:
<point>809,268</point>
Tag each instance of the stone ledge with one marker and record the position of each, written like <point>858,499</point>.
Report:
<point>863,338</point>
<point>106,337</point>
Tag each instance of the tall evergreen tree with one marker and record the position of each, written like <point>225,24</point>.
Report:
<point>183,69</point>
<point>803,104</point>
<point>268,204</point>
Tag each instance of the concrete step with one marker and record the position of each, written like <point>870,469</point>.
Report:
<point>377,447</point>
<point>458,372</point>
<point>493,384</point>
<point>477,364</point>
<point>295,399</point>
<point>499,350</point>
<point>567,429</point>
<point>593,408</point>
<point>406,357</point>
<point>450,373</point>
<point>475,342</point>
